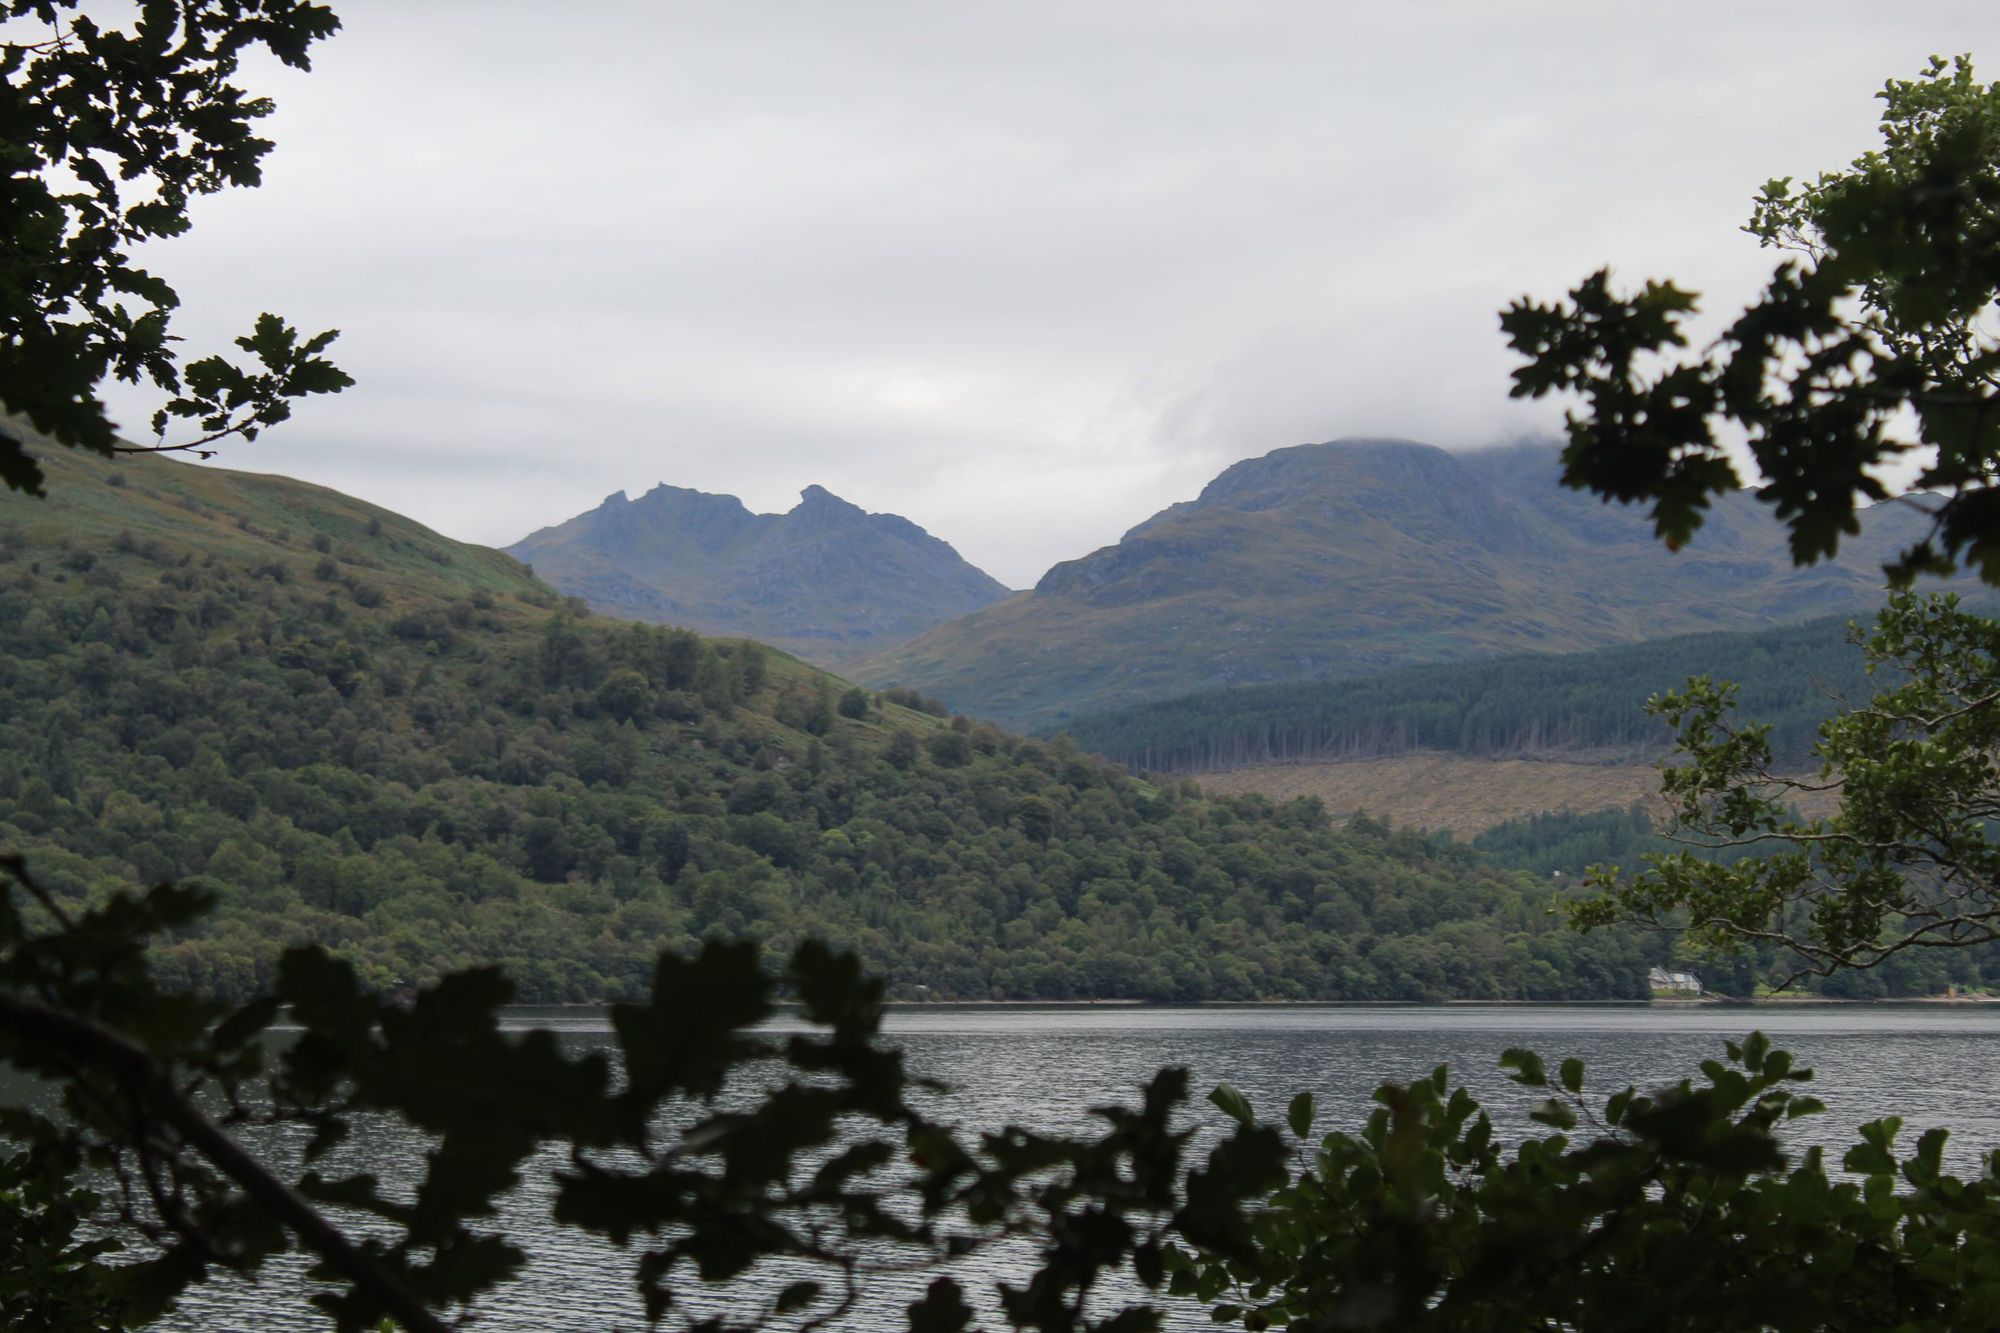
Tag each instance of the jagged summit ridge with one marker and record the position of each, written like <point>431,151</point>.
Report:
<point>826,579</point>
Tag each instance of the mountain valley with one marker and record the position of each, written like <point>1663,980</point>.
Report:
<point>351,730</point>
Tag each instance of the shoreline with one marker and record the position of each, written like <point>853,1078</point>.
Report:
<point>1703,1002</point>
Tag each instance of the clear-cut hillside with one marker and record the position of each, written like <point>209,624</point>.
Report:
<point>827,581</point>
<point>1341,559</point>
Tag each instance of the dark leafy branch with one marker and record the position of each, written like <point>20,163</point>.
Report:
<point>805,1150</point>
<point>1907,860</point>
<point>1889,318</point>
<point>726,1150</point>
<point>107,135</point>
<point>1878,347</point>
<point>1669,1210</point>
<point>167,1130</point>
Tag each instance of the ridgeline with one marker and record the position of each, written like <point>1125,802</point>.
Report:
<point>1341,560</point>
<point>358,732</point>
<point>827,581</point>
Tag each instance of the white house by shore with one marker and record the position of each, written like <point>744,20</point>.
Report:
<point>1661,979</point>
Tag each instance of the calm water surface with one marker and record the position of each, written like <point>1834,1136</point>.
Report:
<point>1044,1067</point>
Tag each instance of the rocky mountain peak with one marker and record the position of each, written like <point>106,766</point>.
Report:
<point>822,508</point>
<point>826,580</point>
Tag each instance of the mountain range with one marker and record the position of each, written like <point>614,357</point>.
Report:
<point>1346,558</point>
<point>354,731</point>
<point>828,581</point>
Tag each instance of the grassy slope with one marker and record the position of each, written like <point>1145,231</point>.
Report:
<point>245,516</point>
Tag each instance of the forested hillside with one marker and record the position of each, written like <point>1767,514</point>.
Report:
<point>361,733</point>
<point>1526,704</point>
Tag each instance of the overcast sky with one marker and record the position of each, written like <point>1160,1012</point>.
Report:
<point>1024,273</point>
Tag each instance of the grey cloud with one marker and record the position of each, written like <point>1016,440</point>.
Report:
<point>1023,273</point>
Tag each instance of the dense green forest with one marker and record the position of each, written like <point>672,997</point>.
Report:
<point>363,734</point>
<point>1561,846</point>
<point>1525,704</point>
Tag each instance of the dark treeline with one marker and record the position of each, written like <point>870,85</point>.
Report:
<point>1521,705</point>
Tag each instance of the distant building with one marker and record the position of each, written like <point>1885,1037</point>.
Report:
<point>1661,979</point>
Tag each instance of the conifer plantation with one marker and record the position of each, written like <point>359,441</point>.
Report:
<point>1791,676</point>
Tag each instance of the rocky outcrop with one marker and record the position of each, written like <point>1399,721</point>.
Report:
<point>827,581</point>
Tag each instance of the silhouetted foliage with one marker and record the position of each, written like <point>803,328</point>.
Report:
<point>1674,1209</point>
<point>1883,325</point>
<point>1883,322</point>
<point>817,1160</point>
<point>780,1173</point>
<point>111,134</point>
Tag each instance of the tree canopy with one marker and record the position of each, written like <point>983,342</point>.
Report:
<point>1884,322</point>
<point>1531,703</point>
<point>108,135</point>
<point>1876,345</point>
<point>370,736</point>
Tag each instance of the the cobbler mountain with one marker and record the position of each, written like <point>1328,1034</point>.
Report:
<point>1343,559</point>
<point>827,581</point>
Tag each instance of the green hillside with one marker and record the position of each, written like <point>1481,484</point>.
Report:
<point>1527,704</point>
<point>362,733</point>
<point>1346,559</point>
